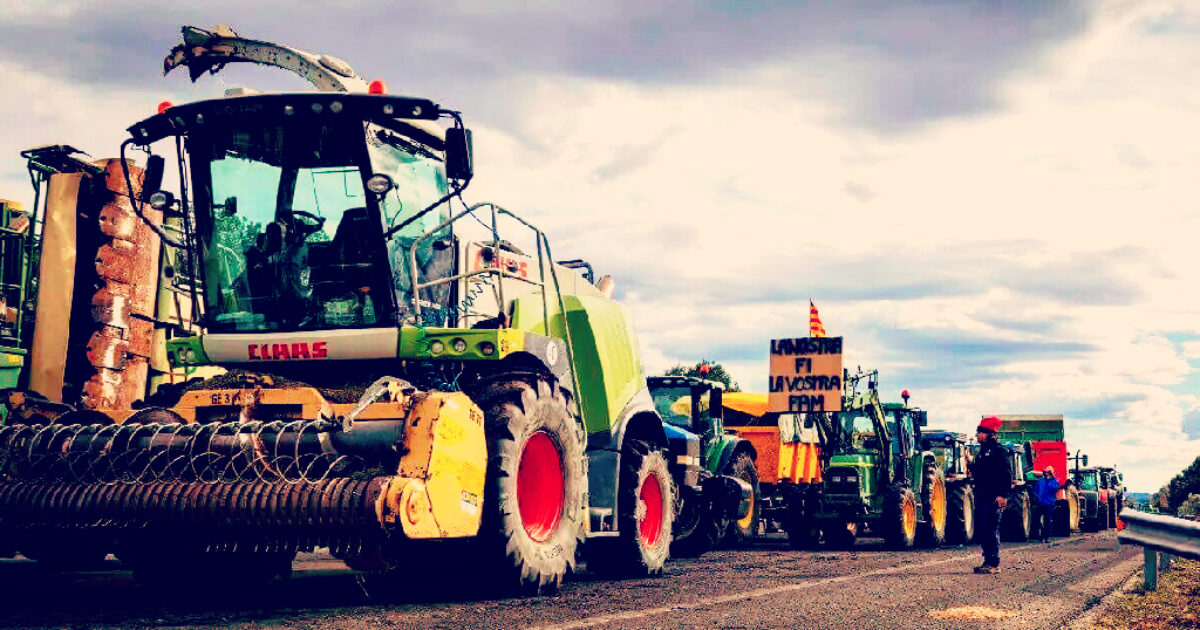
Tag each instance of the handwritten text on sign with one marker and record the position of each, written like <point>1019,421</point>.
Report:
<point>806,374</point>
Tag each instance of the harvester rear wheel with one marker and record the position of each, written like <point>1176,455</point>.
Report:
<point>960,528</point>
<point>900,518</point>
<point>646,504</point>
<point>932,529</point>
<point>745,529</point>
<point>533,503</point>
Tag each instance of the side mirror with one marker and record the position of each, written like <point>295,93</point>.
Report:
<point>153,176</point>
<point>229,208</point>
<point>715,404</point>
<point>459,158</point>
<point>1085,460</point>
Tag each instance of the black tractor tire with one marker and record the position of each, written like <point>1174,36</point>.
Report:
<point>1113,511</point>
<point>1101,517</point>
<point>802,530</point>
<point>1018,518</point>
<point>711,521</point>
<point>1062,512</point>
<point>646,513</point>
<point>529,545</point>
<point>841,535</point>
<point>743,531</point>
<point>960,527</point>
<point>931,530</point>
<point>899,526</point>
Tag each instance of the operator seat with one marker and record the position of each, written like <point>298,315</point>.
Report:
<point>345,264</point>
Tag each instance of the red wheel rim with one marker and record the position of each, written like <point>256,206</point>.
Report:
<point>540,486</point>
<point>651,495</point>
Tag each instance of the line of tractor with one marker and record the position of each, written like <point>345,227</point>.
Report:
<point>308,340</point>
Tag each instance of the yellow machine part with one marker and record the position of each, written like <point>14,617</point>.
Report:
<point>438,491</point>
<point>779,461</point>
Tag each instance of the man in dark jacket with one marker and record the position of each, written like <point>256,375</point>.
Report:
<point>993,482</point>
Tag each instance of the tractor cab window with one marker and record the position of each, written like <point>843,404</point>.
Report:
<point>674,404</point>
<point>1088,482</point>
<point>285,229</point>
<point>418,174</point>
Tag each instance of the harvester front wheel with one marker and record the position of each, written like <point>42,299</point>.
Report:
<point>933,507</point>
<point>646,504</point>
<point>743,530</point>
<point>961,516</point>
<point>533,502</point>
<point>900,518</point>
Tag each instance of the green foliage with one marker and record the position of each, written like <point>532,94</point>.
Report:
<point>1190,508</point>
<point>708,370</point>
<point>1181,488</point>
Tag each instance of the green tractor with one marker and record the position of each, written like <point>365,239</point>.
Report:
<point>714,471</point>
<point>877,474</point>
<point>1093,495</point>
<point>953,456</point>
<point>398,389</point>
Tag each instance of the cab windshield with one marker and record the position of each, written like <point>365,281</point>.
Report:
<point>674,404</point>
<point>288,236</point>
<point>1088,482</point>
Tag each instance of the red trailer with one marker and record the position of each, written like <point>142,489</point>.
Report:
<point>1045,445</point>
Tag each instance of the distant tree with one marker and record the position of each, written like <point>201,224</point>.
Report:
<point>708,370</point>
<point>1190,508</point>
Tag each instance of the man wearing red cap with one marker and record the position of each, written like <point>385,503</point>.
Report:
<point>993,482</point>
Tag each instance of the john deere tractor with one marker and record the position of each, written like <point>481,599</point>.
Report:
<point>877,474</point>
<point>395,391</point>
<point>714,471</point>
<point>953,454</point>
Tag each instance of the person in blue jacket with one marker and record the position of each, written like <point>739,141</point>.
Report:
<point>1045,490</point>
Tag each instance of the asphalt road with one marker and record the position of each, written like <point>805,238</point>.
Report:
<point>765,585</point>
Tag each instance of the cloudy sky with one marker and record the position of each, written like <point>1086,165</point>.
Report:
<point>993,202</point>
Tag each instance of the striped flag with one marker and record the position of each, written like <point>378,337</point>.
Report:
<point>815,329</point>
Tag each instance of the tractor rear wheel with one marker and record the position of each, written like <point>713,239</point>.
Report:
<point>1019,517</point>
<point>745,529</point>
<point>900,518</point>
<point>1113,510</point>
<point>1101,517</point>
<point>932,530</point>
<point>534,498</point>
<point>646,514</point>
<point>960,528</point>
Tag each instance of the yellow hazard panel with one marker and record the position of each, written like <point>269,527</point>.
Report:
<point>438,492</point>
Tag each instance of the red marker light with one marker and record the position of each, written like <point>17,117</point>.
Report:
<point>904,394</point>
<point>164,106</point>
<point>377,87</point>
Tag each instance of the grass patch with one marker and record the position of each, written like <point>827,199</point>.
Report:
<point>1176,603</point>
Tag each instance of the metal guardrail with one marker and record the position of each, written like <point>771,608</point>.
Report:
<point>1158,534</point>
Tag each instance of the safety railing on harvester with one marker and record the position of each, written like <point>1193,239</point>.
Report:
<point>545,262</point>
<point>1161,537</point>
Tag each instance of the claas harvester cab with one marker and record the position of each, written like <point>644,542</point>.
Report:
<point>714,470</point>
<point>877,474</point>
<point>396,391</point>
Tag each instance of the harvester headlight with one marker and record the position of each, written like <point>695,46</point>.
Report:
<point>379,183</point>
<point>487,348</point>
<point>160,199</point>
<point>437,347</point>
<point>460,346</point>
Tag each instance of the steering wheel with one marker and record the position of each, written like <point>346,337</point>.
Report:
<point>311,223</point>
